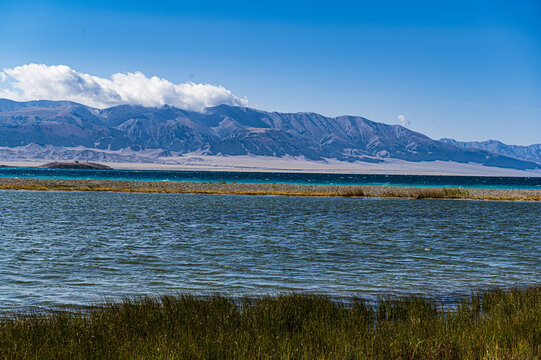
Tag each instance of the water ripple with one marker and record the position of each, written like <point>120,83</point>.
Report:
<point>80,248</point>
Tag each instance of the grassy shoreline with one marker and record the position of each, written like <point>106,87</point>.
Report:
<point>492,324</point>
<point>270,189</point>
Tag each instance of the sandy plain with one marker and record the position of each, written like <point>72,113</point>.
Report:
<point>198,162</point>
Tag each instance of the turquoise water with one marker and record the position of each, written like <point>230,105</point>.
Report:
<point>79,248</point>
<point>283,178</point>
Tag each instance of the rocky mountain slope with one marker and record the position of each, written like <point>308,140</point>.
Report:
<point>129,133</point>
<point>524,152</point>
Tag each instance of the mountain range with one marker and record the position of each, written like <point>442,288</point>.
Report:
<point>524,152</point>
<point>59,130</point>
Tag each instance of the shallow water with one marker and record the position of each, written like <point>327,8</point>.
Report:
<point>277,177</point>
<point>79,248</point>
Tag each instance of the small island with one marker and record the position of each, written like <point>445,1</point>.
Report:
<point>75,165</point>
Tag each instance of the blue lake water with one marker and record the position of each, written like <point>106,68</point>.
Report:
<point>284,178</point>
<point>79,248</point>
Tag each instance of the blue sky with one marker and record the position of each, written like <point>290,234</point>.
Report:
<point>469,70</point>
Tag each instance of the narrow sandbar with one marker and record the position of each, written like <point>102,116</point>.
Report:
<point>224,188</point>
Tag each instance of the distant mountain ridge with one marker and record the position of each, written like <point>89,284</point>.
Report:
<point>56,128</point>
<point>524,152</point>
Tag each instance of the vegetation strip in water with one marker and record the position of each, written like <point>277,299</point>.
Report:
<point>270,189</point>
<point>493,324</point>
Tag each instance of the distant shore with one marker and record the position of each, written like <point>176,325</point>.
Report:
<point>75,165</point>
<point>78,165</point>
<point>224,188</point>
<point>197,162</point>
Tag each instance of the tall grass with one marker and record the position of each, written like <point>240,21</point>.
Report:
<point>428,193</point>
<point>282,190</point>
<point>495,324</point>
<point>445,193</point>
<point>355,191</point>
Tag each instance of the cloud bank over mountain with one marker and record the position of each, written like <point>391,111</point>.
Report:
<point>60,82</point>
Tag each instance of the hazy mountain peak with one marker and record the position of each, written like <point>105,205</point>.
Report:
<point>524,152</point>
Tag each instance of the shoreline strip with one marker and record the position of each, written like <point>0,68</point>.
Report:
<point>223,188</point>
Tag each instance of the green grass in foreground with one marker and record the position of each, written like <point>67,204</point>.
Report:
<point>495,324</point>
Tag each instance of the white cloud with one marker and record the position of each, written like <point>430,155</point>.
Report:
<point>60,82</point>
<point>403,121</point>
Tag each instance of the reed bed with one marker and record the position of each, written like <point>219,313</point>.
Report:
<point>270,189</point>
<point>493,324</point>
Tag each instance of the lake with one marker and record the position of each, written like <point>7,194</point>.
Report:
<point>279,178</point>
<point>79,248</point>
